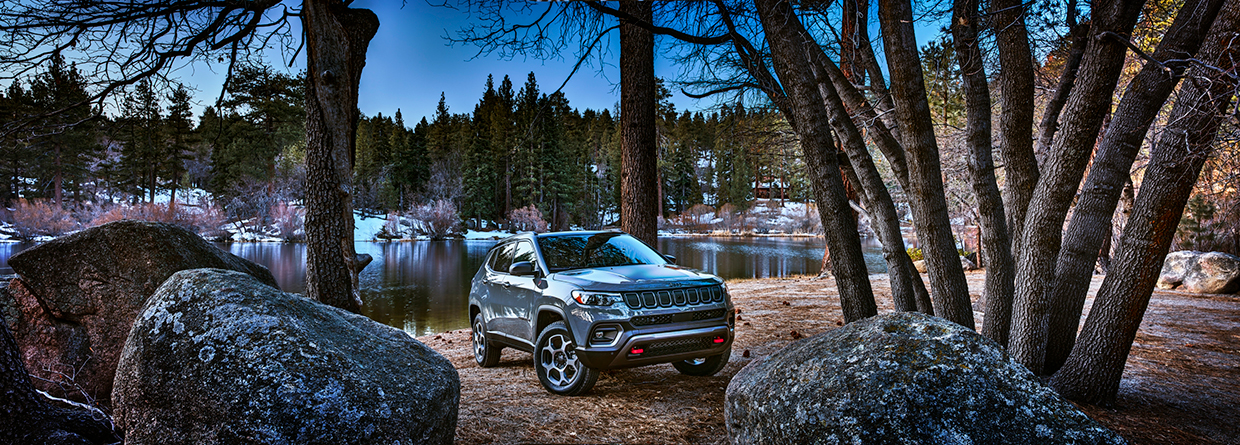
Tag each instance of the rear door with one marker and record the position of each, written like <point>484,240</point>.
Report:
<point>523,293</point>
<point>496,305</point>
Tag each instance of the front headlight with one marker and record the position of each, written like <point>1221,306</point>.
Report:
<point>595,298</point>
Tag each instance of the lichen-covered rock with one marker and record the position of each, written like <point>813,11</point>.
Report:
<point>77,296</point>
<point>899,378</point>
<point>1175,267</point>
<point>218,357</point>
<point>1214,273</point>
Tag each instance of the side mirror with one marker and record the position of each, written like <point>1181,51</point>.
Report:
<point>521,268</point>
<point>670,258</point>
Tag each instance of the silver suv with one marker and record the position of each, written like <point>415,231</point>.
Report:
<point>587,301</point>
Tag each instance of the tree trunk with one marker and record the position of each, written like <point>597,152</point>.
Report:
<point>639,206</point>
<point>1092,372</point>
<point>906,285</point>
<point>58,181</point>
<point>1020,166</point>
<point>1091,218</point>
<point>1000,270</point>
<point>1067,79</point>
<point>949,291</point>
<point>28,417</point>
<point>336,41</point>
<point>788,54</point>
<point>1061,175</point>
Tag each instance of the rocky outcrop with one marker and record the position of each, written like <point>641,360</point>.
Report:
<point>1175,267</point>
<point>1214,273</point>
<point>219,357</point>
<point>1203,273</point>
<point>77,296</point>
<point>899,378</point>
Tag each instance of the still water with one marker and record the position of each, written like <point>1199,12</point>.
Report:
<point>422,287</point>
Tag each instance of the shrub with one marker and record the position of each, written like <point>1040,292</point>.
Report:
<point>205,218</point>
<point>36,218</point>
<point>527,218</point>
<point>289,220</point>
<point>437,220</point>
<point>729,215</point>
<point>391,227</point>
<point>914,253</point>
<point>700,216</point>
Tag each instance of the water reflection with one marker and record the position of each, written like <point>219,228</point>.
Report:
<point>423,287</point>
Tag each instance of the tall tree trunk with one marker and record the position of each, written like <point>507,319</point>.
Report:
<point>58,182</point>
<point>639,184</point>
<point>788,54</point>
<point>1093,370</point>
<point>1067,80</point>
<point>336,41</point>
<point>1091,218</point>
<point>1061,175</point>
<point>949,291</point>
<point>906,285</point>
<point>1000,270</point>
<point>1020,166</point>
<point>28,417</point>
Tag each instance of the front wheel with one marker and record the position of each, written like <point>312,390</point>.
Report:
<point>485,353</point>
<point>555,361</point>
<point>703,366</point>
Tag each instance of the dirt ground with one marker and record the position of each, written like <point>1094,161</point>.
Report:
<point>1180,385</point>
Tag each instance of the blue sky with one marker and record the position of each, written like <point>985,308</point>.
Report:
<point>409,63</point>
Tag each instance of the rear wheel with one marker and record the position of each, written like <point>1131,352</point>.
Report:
<point>703,366</point>
<point>485,353</point>
<point>555,361</point>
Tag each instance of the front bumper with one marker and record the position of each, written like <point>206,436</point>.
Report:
<point>638,348</point>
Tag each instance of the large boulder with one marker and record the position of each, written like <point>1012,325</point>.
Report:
<point>1214,273</point>
<point>899,378</point>
<point>1176,267</point>
<point>77,296</point>
<point>219,357</point>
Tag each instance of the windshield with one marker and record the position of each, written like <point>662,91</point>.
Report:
<point>572,251</point>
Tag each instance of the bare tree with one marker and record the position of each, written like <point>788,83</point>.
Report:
<point>122,43</point>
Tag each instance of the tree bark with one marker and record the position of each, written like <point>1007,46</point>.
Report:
<point>1092,372</point>
<point>1061,175</point>
<point>28,417</point>
<point>788,54</point>
<point>1020,166</point>
<point>1067,80</point>
<point>876,199</point>
<point>949,291</point>
<point>639,205</point>
<point>1090,225</point>
<point>336,41</point>
<point>1000,270</point>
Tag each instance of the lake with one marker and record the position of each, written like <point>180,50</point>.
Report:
<point>422,286</point>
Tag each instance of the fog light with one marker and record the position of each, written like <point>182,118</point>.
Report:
<point>637,350</point>
<point>719,340</point>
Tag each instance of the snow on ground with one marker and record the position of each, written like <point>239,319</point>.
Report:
<point>365,227</point>
<point>486,235</point>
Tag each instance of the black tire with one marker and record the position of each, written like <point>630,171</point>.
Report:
<point>703,366</point>
<point>555,361</point>
<point>485,352</point>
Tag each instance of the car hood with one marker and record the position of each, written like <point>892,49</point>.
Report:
<point>639,277</point>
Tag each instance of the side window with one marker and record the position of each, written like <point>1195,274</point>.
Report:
<point>525,252</point>
<point>502,258</point>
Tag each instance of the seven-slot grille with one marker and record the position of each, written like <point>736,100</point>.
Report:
<point>674,297</point>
